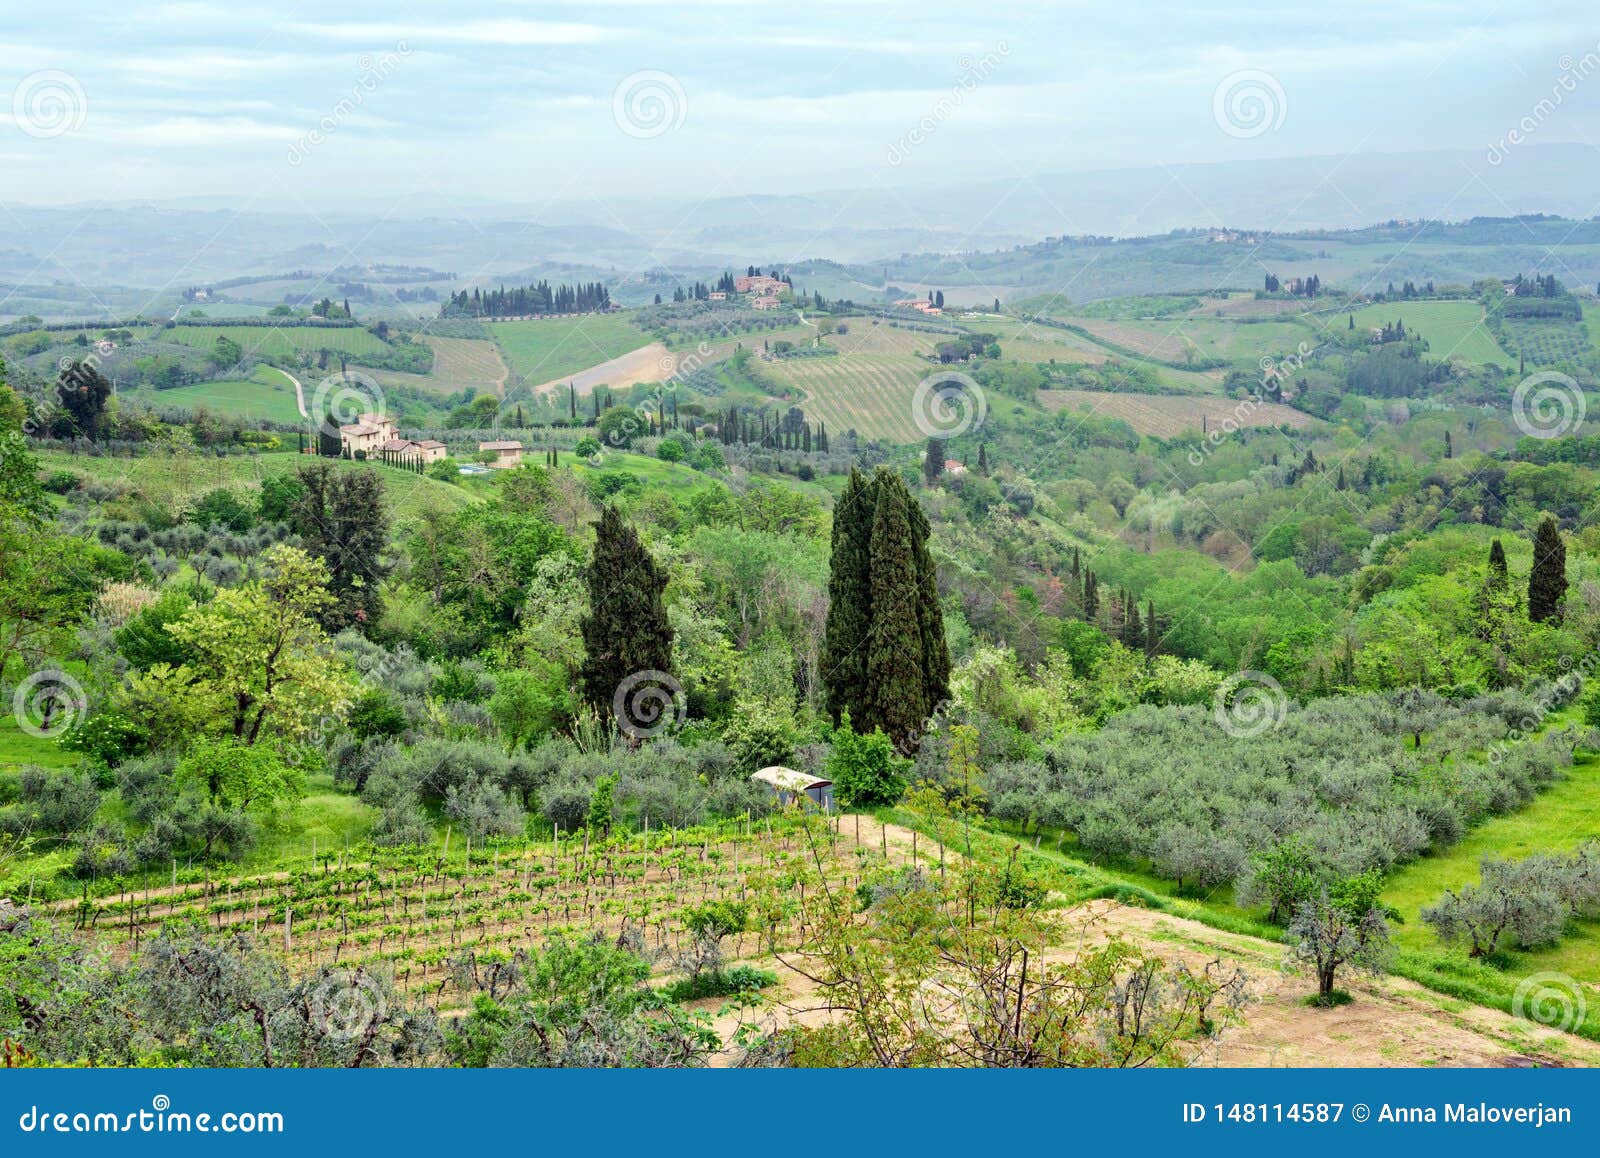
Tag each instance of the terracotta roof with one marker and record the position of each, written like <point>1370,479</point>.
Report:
<point>499,446</point>
<point>398,444</point>
<point>358,430</point>
<point>430,444</point>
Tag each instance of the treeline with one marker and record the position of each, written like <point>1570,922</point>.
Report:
<point>520,301</point>
<point>788,431</point>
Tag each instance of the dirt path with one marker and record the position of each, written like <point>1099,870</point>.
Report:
<point>652,363</point>
<point>299,391</point>
<point>1392,1022</point>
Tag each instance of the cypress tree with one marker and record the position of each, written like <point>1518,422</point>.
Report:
<point>626,631</point>
<point>1499,576</point>
<point>1547,582</point>
<point>894,652</point>
<point>1152,632</point>
<point>341,518</point>
<point>329,445</point>
<point>983,458</point>
<point>884,656</point>
<point>933,460</point>
<point>930,615</point>
<point>844,646</point>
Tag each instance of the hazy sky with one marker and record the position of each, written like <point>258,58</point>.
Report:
<point>365,103</point>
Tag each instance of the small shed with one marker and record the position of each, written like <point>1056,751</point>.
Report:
<point>788,786</point>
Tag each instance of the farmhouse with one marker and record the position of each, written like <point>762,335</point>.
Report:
<point>758,284</point>
<point>717,296</point>
<point>789,786</point>
<point>428,450</point>
<point>506,453</point>
<point>367,434</point>
<point>764,302</point>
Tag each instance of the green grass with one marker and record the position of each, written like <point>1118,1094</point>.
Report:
<point>543,350</point>
<point>1451,329</point>
<point>172,480</point>
<point>18,747</point>
<point>1558,820</point>
<point>653,472</point>
<point>277,341</point>
<point>267,395</point>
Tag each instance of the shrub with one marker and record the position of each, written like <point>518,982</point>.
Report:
<point>865,770</point>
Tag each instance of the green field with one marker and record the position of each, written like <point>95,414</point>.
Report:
<point>267,395</point>
<point>172,480</point>
<point>277,341</point>
<point>543,350</point>
<point>1451,329</point>
<point>1558,820</point>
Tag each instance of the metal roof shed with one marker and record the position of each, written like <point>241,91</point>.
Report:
<point>789,785</point>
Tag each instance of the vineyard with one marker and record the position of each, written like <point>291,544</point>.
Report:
<point>459,363</point>
<point>407,913</point>
<point>870,393</point>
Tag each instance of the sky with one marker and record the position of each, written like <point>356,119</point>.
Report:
<point>359,103</point>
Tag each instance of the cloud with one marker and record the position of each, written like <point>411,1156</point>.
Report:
<point>187,132</point>
<point>502,33</point>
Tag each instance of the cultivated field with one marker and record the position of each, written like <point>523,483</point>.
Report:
<point>868,385</point>
<point>652,363</point>
<point>548,349</point>
<point>1198,338</point>
<point>462,363</point>
<point>1452,329</point>
<point>1022,341</point>
<point>408,913</point>
<point>1168,415</point>
<point>265,396</point>
<point>277,341</point>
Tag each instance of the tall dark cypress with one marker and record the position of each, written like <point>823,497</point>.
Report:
<point>626,631</point>
<point>844,645</point>
<point>894,652</point>
<point>1547,582</point>
<point>885,659</point>
<point>930,615</point>
<point>342,519</point>
<point>1499,575</point>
